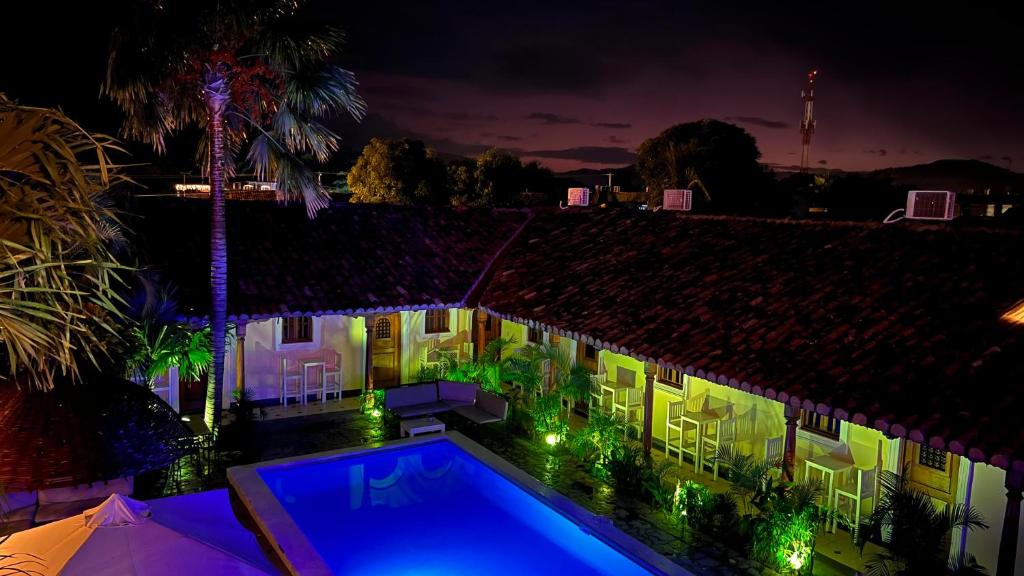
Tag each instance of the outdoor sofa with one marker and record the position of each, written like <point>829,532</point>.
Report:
<point>464,398</point>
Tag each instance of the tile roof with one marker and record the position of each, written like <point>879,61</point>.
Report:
<point>350,259</point>
<point>896,327</point>
<point>98,430</point>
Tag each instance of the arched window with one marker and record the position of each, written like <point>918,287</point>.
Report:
<point>382,329</point>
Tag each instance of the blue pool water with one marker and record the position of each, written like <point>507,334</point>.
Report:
<point>433,509</point>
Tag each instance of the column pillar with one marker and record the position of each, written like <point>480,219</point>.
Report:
<point>650,370</point>
<point>481,332</point>
<point>1011,524</point>
<point>369,320</point>
<point>792,414</point>
<point>240,356</point>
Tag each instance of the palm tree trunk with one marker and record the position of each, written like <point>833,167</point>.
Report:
<point>217,93</point>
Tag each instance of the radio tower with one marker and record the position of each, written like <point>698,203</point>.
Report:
<point>807,125</point>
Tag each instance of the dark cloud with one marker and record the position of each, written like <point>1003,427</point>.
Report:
<point>615,139</point>
<point>508,138</point>
<point>823,162</point>
<point>589,154</point>
<point>612,125</point>
<point>468,117</point>
<point>759,122</point>
<point>1007,159</point>
<point>400,107</point>
<point>456,148</point>
<point>879,152</point>
<point>552,118</point>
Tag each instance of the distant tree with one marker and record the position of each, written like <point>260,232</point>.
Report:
<point>861,197</point>
<point>719,161</point>
<point>461,181</point>
<point>537,178</point>
<point>397,172</point>
<point>499,177</point>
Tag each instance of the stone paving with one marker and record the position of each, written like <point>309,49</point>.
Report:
<point>272,439</point>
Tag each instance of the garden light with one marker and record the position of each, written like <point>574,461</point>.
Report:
<point>796,560</point>
<point>551,439</point>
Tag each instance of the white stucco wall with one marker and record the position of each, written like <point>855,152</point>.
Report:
<point>343,334</point>
<point>988,496</point>
<point>263,353</point>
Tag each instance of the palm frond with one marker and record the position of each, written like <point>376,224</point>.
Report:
<point>325,91</point>
<point>57,273</point>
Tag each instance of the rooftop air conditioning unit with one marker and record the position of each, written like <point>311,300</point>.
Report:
<point>579,196</point>
<point>678,200</point>
<point>931,205</point>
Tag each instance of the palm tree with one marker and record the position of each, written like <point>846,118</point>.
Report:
<point>58,275</point>
<point>918,532</point>
<point>255,77</point>
<point>157,343</point>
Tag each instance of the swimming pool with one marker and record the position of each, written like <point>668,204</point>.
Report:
<point>439,505</point>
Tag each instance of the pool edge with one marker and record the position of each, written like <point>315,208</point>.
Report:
<point>297,554</point>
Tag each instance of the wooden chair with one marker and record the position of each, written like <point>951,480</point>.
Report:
<point>629,402</point>
<point>723,436</point>
<point>861,487</point>
<point>332,374</point>
<point>290,383</point>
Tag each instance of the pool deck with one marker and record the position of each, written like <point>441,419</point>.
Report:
<point>298,555</point>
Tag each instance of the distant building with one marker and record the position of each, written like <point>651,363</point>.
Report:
<point>245,190</point>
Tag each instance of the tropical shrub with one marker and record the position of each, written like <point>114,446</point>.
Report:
<point>547,416</point>
<point>780,519</point>
<point>918,533</point>
<point>600,440</point>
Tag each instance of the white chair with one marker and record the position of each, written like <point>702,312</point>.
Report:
<point>332,374</point>
<point>599,396</point>
<point>724,435</point>
<point>773,448</point>
<point>674,422</point>
<point>628,402</point>
<point>290,383</point>
<point>856,491</point>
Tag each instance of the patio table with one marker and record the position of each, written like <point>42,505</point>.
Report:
<point>415,426</point>
<point>321,367</point>
<point>713,410</point>
<point>828,464</point>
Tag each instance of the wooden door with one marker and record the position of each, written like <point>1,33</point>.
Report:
<point>387,351</point>
<point>933,472</point>
<point>192,394</point>
<point>492,328</point>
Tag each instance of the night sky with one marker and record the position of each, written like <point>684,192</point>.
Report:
<point>583,84</point>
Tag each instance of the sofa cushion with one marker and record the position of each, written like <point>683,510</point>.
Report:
<point>421,409</point>
<point>410,395</point>
<point>492,403</point>
<point>86,491</point>
<point>457,393</point>
<point>476,415</point>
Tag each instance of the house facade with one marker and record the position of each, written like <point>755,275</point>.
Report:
<point>884,348</point>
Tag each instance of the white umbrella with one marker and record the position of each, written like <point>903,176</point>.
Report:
<point>192,534</point>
